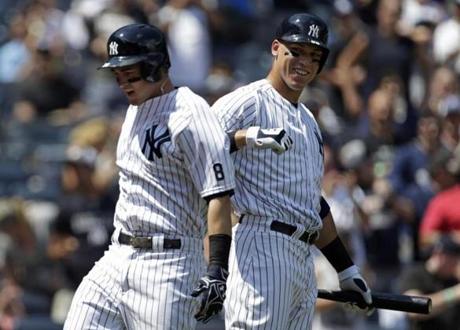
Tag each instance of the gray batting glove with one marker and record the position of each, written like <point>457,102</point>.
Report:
<point>272,138</point>
<point>351,279</point>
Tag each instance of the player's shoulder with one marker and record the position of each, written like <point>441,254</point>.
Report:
<point>191,107</point>
<point>189,104</point>
<point>243,96</point>
<point>187,99</point>
<point>302,107</point>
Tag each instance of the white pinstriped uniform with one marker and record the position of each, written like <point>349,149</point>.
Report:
<point>271,271</point>
<point>167,154</point>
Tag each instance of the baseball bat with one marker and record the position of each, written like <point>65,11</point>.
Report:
<point>396,302</point>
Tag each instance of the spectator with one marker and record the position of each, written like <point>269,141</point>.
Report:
<point>446,42</point>
<point>23,298</point>
<point>439,279</point>
<point>377,128</point>
<point>345,74</point>
<point>187,27</point>
<point>389,51</point>
<point>442,215</point>
<point>443,84</point>
<point>450,113</point>
<point>14,54</point>
<point>45,89</point>
<point>416,11</point>
<point>409,177</point>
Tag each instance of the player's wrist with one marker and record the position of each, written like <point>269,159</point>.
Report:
<point>337,255</point>
<point>251,136</point>
<point>348,272</point>
<point>324,208</point>
<point>219,250</point>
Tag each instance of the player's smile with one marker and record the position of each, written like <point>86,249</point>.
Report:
<point>301,73</point>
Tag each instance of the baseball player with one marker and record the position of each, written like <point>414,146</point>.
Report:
<point>278,197</point>
<point>176,174</point>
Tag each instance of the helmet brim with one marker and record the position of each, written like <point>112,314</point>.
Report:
<point>300,38</point>
<point>121,61</point>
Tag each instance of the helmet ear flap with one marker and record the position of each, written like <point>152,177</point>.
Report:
<point>149,72</point>
<point>323,60</point>
<point>151,67</point>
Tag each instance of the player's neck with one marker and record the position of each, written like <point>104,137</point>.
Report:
<point>165,87</point>
<point>161,88</point>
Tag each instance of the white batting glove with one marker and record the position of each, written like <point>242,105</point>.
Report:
<point>351,279</point>
<point>273,138</point>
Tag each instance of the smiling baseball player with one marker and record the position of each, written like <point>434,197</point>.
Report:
<point>278,197</point>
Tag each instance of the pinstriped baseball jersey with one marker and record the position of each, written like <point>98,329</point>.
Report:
<point>288,185</point>
<point>169,153</point>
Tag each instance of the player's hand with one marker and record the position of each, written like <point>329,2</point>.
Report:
<point>273,138</point>
<point>212,288</point>
<point>351,279</point>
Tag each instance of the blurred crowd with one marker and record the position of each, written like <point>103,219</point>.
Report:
<point>387,102</point>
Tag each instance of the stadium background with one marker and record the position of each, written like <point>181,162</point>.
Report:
<point>387,102</point>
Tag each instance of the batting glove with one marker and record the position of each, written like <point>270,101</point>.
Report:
<point>212,288</point>
<point>351,279</point>
<point>273,138</point>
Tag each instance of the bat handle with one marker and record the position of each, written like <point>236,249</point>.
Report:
<point>402,303</point>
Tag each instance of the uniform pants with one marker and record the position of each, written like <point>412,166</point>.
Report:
<point>272,283</point>
<point>132,288</point>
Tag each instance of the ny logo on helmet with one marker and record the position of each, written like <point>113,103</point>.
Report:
<point>313,31</point>
<point>113,48</point>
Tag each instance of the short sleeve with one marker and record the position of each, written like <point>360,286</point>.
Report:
<point>206,153</point>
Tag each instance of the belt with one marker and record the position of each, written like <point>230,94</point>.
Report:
<point>140,242</point>
<point>289,230</point>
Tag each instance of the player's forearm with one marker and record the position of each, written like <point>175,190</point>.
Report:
<point>219,220</point>
<point>219,231</point>
<point>328,233</point>
<point>332,247</point>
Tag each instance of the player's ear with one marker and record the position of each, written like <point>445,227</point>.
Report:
<point>275,47</point>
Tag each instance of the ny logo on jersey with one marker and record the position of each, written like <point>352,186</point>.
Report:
<point>154,138</point>
<point>313,31</point>
<point>113,48</point>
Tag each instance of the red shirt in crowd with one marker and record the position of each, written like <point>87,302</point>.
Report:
<point>443,212</point>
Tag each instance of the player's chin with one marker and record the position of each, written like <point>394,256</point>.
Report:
<point>298,82</point>
<point>297,85</point>
<point>133,98</point>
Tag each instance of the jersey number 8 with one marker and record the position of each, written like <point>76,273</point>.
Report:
<point>218,171</point>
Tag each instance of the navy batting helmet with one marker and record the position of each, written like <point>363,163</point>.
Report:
<point>138,43</point>
<point>305,28</point>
